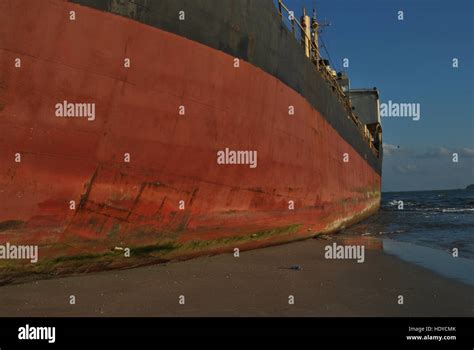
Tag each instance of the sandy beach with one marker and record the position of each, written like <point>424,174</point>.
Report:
<point>258,283</point>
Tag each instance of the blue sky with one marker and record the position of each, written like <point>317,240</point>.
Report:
<point>410,61</point>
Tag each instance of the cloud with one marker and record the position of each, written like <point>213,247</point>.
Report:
<point>392,150</point>
<point>439,151</point>
<point>388,149</point>
<point>408,169</point>
<point>434,152</point>
<point>466,152</point>
<point>426,167</point>
<point>427,152</point>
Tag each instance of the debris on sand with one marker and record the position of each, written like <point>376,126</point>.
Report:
<point>324,237</point>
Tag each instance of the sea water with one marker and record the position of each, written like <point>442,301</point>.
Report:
<point>434,229</point>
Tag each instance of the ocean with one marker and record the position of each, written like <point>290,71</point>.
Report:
<point>424,228</point>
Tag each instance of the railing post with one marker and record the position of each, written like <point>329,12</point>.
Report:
<point>315,27</point>
<point>311,44</point>
<point>306,33</point>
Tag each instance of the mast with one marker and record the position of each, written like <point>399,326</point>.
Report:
<point>315,38</point>
<point>306,33</point>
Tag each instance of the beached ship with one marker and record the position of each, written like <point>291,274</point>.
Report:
<point>174,128</point>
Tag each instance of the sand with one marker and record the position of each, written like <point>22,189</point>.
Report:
<point>258,283</point>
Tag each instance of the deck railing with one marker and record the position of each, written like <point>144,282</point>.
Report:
<point>325,72</point>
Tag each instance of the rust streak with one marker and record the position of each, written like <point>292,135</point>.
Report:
<point>137,198</point>
<point>85,196</point>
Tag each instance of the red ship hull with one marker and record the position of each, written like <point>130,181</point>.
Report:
<point>172,200</point>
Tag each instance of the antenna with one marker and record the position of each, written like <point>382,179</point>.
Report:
<point>324,24</point>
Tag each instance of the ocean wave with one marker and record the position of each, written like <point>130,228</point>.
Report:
<point>391,232</point>
<point>396,203</point>
<point>458,210</point>
<point>440,219</point>
<point>428,209</point>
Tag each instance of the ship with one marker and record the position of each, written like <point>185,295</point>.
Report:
<point>147,131</point>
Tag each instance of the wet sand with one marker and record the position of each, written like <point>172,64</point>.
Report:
<point>258,283</point>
